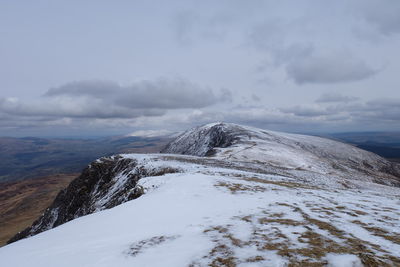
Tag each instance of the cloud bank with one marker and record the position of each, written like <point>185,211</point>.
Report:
<point>106,99</point>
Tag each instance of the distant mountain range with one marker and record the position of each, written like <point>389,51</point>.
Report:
<point>385,144</point>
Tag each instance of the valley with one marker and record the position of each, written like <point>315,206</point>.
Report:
<point>23,202</point>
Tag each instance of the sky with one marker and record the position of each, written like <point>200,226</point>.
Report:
<point>85,68</point>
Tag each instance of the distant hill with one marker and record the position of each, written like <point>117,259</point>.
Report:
<point>22,158</point>
<point>385,144</point>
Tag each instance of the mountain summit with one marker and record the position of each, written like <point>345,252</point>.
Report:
<point>227,141</point>
<point>223,195</point>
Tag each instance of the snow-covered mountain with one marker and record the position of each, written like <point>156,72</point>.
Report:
<point>223,195</point>
<point>288,152</point>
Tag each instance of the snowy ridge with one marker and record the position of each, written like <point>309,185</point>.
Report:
<point>287,151</point>
<point>243,197</point>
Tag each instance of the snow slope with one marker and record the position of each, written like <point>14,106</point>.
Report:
<point>214,216</point>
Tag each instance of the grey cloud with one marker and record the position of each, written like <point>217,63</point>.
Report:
<point>261,116</point>
<point>371,113</point>
<point>384,15</point>
<point>108,100</point>
<point>215,20</point>
<point>305,61</point>
<point>160,94</point>
<point>385,109</point>
<point>387,102</point>
<point>335,97</point>
<point>307,111</point>
<point>93,88</point>
<point>87,107</point>
<point>328,69</point>
<point>74,108</point>
<point>298,43</point>
<point>331,116</point>
<point>377,110</point>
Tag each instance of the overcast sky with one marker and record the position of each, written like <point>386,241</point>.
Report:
<point>114,67</point>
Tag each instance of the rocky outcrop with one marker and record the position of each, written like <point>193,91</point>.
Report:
<point>104,184</point>
<point>202,141</point>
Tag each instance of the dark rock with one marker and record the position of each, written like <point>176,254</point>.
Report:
<point>203,141</point>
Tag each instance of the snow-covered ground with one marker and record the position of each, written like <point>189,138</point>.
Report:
<point>216,215</point>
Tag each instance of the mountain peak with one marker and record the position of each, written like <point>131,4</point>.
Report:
<point>202,140</point>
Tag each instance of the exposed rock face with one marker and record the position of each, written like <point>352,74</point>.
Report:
<point>104,184</point>
<point>202,141</point>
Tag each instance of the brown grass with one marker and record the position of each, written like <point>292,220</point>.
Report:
<point>269,220</point>
<point>279,183</point>
<point>393,237</point>
<point>318,245</point>
<point>240,188</point>
<point>23,202</point>
<point>138,247</point>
